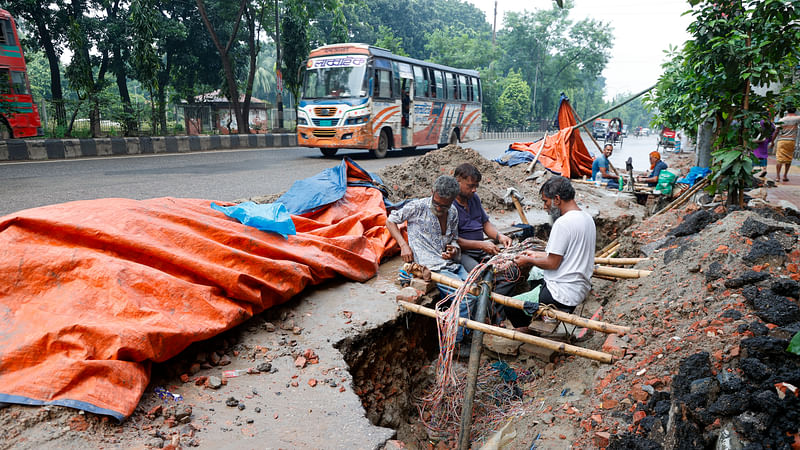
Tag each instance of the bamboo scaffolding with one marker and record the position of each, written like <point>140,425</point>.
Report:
<point>621,272</point>
<point>619,261</point>
<point>519,304</point>
<point>517,336</point>
<point>608,247</point>
<point>610,250</point>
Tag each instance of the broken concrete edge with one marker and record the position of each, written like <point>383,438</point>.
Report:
<point>48,149</point>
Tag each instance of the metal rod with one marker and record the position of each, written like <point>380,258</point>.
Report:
<point>613,108</point>
<point>474,360</point>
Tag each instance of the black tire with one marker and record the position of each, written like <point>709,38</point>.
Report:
<point>441,145</point>
<point>383,146</point>
<point>329,151</point>
<point>411,149</point>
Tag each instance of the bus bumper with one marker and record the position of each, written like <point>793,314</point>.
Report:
<point>339,137</point>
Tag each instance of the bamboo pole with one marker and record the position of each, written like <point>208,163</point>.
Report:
<point>619,261</point>
<point>595,141</point>
<point>519,304</point>
<point>608,247</point>
<point>621,272</point>
<point>517,336</point>
<point>536,158</point>
<point>684,197</point>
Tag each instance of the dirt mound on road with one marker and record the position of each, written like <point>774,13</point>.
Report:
<point>414,178</point>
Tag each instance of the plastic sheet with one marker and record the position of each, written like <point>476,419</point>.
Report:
<point>92,292</point>
<point>265,217</point>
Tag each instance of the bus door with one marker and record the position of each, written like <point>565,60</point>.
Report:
<point>406,105</point>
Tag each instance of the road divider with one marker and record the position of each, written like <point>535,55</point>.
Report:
<point>45,149</point>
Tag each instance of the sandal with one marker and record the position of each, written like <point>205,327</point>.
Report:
<point>785,179</point>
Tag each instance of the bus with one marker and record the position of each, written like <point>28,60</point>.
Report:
<point>19,116</point>
<point>359,96</point>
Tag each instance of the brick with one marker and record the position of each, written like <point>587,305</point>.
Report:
<point>601,438</point>
<point>422,285</point>
<point>615,346</point>
<point>501,345</point>
<point>409,294</point>
<point>638,416</point>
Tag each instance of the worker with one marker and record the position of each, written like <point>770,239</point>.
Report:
<point>656,166</point>
<point>567,262</point>
<point>783,140</point>
<point>601,167</point>
<point>473,222</point>
<point>433,238</point>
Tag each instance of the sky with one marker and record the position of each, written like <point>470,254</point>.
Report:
<point>642,30</point>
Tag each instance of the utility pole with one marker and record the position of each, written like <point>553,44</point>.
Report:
<point>278,76</point>
<point>494,26</point>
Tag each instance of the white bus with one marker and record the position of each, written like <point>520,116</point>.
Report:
<point>353,97</point>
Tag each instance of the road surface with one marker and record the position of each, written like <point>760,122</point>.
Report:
<point>217,175</point>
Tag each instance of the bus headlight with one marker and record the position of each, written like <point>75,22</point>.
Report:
<point>302,121</point>
<point>357,120</point>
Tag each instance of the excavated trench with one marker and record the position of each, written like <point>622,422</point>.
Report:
<point>391,365</point>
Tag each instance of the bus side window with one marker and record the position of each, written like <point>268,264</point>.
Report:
<point>420,88</point>
<point>5,85</point>
<point>396,80</point>
<point>383,81</point>
<point>478,90</point>
<point>470,96</point>
<point>452,86</point>
<point>462,86</point>
<point>439,83</point>
<point>431,82</point>
<point>18,83</point>
<point>5,24</point>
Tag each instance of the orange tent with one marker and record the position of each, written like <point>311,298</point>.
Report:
<point>564,152</point>
<point>92,291</point>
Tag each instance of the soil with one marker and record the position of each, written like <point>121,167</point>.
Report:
<point>705,366</point>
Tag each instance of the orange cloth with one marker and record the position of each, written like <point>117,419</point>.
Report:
<point>657,157</point>
<point>93,291</point>
<point>564,152</point>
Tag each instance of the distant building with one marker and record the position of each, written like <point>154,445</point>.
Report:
<point>213,111</point>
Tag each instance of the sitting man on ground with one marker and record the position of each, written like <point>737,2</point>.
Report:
<point>601,167</point>
<point>568,259</point>
<point>473,222</point>
<point>432,230</point>
<point>656,166</point>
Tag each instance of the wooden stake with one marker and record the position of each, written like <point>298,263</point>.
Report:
<point>519,304</point>
<point>536,158</point>
<point>517,336</point>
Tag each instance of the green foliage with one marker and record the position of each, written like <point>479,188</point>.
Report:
<point>295,49</point>
<point>386,39</point>
<point>794,344</point>
<point>735,46</point>
<point>514,103</point>
<point>461,48</point>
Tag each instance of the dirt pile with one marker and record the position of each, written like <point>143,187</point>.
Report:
<point>414,178</point>
<point>708,362</point>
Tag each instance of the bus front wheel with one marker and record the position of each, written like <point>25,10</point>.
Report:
<point>329,151</point>
<point>383,146</point>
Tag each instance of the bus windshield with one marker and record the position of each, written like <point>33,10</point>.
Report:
<point>336,77</point>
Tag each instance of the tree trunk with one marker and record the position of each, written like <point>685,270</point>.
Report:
<point>55,71</point>
<point>163,80</point>
<point>705,132</point>
<point>224,54</point>
<point>131,124</point>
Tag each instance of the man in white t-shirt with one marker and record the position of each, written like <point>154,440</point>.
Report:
<point>568,259</point>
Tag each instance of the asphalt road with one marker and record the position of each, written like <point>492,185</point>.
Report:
<point>218,175</point>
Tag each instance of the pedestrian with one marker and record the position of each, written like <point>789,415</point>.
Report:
<point>763,141</point>
<point>785,137</point>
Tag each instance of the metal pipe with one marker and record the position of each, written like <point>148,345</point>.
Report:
<point>613,108</point>
<point>474,360</point>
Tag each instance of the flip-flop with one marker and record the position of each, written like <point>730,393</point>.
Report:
<point>785,179</point>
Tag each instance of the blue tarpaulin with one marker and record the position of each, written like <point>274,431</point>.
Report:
<point>513,157</point>
<point>695,173</point>
<point>266,217</point>
<point>324,188</point>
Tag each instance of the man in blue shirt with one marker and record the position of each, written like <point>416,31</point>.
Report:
<point>656,166</point>
<point>601,166</point>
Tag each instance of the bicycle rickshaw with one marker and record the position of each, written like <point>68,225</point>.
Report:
<point>614,134</point>
<point>666,138</point>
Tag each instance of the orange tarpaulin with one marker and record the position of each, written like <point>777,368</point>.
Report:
<point>91,292</point>
<point>564,152</point>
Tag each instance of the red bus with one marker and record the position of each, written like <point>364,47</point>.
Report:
<point>19,116</point>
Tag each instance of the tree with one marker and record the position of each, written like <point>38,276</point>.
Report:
<point>461,48</point>
<point>225,56</point>
<point>388,40</point>
<point>84,34</point>
<point>294,41</point>
<point>514,103</point>
<point>735,46</point>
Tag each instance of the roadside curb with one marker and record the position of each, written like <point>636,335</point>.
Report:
<point>45,149</point>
